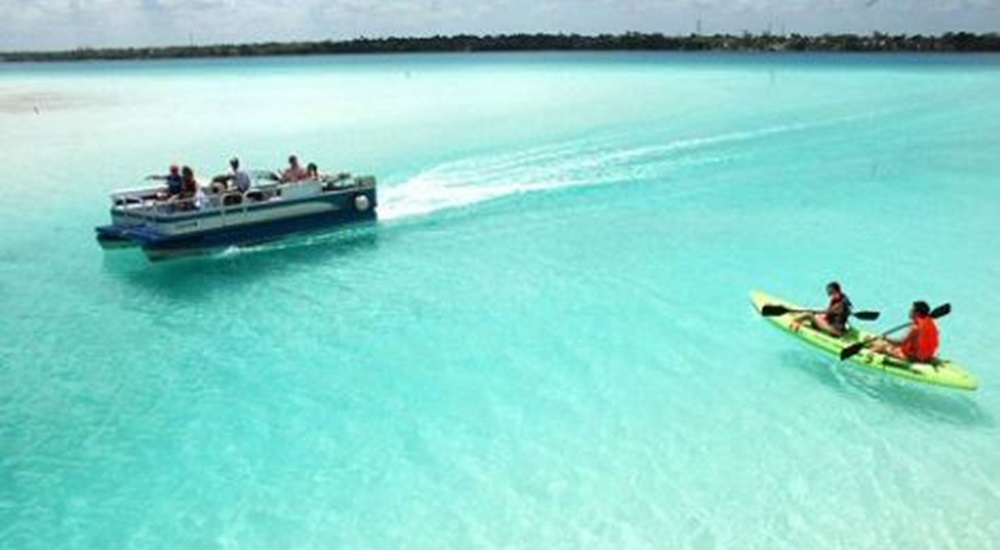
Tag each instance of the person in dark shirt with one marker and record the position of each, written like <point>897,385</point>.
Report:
<point>833,320</point>
<point>173,179</point>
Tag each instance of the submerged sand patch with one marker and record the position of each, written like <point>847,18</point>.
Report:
<point>37,102</point>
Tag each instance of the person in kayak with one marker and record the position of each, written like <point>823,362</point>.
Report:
<point>833,321</point>
<point>920,344</point>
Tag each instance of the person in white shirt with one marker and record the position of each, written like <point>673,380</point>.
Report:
<point>240,180</point>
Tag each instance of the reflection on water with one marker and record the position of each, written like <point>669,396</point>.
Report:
<point>920,400</point>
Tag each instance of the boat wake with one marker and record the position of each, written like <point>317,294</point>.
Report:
<point>574,164</point>
<point>478,179</point>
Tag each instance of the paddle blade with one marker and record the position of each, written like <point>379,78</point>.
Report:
<point>772,310</point>
<point>866,315</point>
<point>940,311</point>
<point>851,350</point>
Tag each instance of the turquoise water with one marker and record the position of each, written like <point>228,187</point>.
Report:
<point>545,342</point>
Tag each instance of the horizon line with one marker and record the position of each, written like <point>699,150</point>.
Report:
<point>598,41</point>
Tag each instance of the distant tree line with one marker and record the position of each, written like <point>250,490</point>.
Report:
<point>876,42</point>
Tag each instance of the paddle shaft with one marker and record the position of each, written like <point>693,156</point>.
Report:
<point>890,331</point>
<point>854,349</point>
<point>774,310</point>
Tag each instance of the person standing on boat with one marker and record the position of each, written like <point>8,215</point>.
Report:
<point>920,344</point>
<point>295,171</point>
<point>833,321</point>
<point>173,180</point>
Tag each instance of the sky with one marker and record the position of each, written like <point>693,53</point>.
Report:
<point>67,24</point>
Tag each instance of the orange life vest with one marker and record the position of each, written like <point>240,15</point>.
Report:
<point>921,344</point>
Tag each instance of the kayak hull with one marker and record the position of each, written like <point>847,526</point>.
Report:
<point>940,373</point>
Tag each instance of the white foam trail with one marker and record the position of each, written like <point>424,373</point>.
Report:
<point>575,164</point>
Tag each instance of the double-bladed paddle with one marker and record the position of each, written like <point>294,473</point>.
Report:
<point>774,310</point>
<point>853,349</point>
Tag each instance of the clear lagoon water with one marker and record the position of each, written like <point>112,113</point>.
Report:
<point>545,342</point>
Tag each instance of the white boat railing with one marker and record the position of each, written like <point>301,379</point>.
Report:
<point>137,194</point>
<point>156,201</point>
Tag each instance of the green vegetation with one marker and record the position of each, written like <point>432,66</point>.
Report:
<point>876,42</point>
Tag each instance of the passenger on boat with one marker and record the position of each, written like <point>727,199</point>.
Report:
<point>294,172</point>
<point>240,179</point>
<point>185,200</point>
<point>173,180</point>
<point>312,171</point>
<point>920,344</point>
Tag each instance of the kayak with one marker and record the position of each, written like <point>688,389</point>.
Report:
<point>941,372</point>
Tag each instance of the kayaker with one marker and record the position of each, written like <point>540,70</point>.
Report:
<point>833,321</point>
<point>920,344</point>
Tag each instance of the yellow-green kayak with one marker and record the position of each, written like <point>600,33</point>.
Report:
<point>942,372</point>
